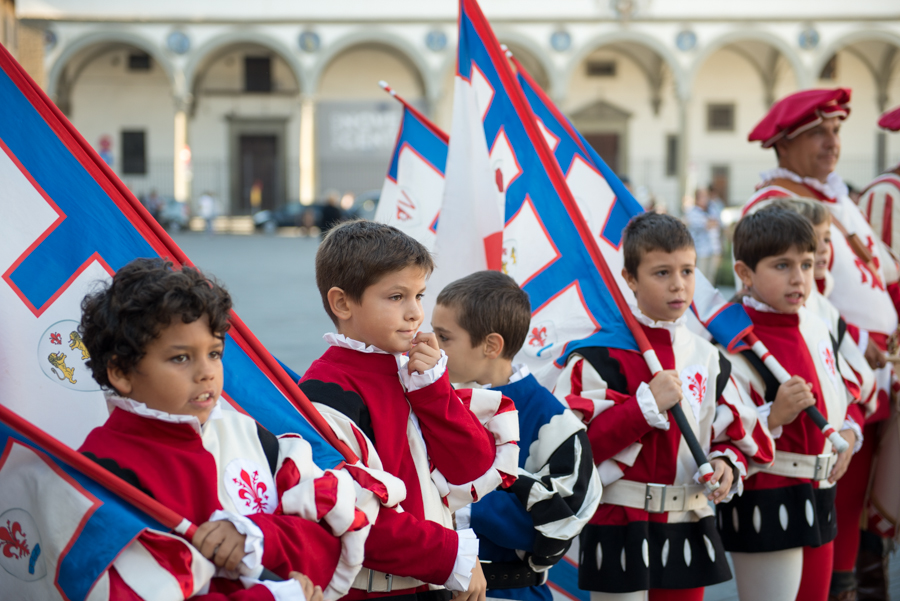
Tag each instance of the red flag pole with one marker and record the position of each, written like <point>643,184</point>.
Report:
<point>138,215</point>
<point>75,460</point>
<point>425,120</point>
<point>520,103</point>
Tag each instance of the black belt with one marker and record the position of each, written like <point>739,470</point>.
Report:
<point>510,574</point>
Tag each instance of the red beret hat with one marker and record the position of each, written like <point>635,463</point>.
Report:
<point>799,112</point>
<point>890,120</point>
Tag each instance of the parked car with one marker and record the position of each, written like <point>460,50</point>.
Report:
<point>174,215</point>
<point>293,214</point>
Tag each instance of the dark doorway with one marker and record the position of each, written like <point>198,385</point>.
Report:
<point>258,172</point>
<point>607,146</point>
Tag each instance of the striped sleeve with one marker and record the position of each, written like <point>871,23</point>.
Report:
<point>559,487</point>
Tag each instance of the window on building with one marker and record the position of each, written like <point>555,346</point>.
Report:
<point>672,155</point>
<point>601,68</point>
<point>829,71</point>
<point>720,117</point>
<point>257,74</point>
<point>138,61</point>
<point>134,152</point>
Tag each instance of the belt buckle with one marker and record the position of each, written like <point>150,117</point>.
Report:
<point>823,463</point>
<point>370,585</point>
<point>648,496</point>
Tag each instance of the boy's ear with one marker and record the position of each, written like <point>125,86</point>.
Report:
<point>629,279</point>
<point>493,345</point>
<point>744,272</point>
<point>339,303</point>
<point>118,378</point>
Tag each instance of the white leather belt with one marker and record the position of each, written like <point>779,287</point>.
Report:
<point>795,465</point>
<point>373,581</point>
<point>654,498</point>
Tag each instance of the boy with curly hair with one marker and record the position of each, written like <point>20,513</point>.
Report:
<point>156,337</point>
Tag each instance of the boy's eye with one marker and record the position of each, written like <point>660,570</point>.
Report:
<point>179,358</point>
<point>216,355</point>
<point>395,297</point>
<point>662,272</point>
<point>688,271</point>
<point>420,296</point>
<point>442,338</point>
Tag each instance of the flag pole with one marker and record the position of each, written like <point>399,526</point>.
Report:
<point>781,374</point>
<point>521,104</point>
<point>425,120</point>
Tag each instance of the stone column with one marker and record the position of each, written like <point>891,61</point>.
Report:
<point>182,151</point>
<point>684,105</point>
<point>307,149</point>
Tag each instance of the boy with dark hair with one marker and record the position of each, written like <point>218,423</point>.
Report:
<point>400,414</point>
<point>156,339</point>
<point>654,529</point>
<point>780,530</point>
<point>481,322</point>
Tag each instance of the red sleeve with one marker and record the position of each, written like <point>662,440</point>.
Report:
<point>617,427</point>
<point>855,412</point>
<point>120,591</point>
<point>721,447</point>
<point>458,445</point>
<point>400,544</point>
<point>292,543</point>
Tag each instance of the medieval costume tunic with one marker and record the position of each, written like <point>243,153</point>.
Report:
<point>790,504</point>
<point>526,529</point>
<point>654,528</point>
<point>880,201</point>
<point>229,469</point>
<point>416,428</point>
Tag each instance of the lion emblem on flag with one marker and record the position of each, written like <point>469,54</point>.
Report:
<point>65,367</point>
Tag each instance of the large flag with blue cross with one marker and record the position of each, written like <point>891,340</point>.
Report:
<point>68,223</point>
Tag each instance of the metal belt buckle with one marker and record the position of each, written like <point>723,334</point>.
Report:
<point>823,465</point>
<point>370,586</point>
<point>648,497</point>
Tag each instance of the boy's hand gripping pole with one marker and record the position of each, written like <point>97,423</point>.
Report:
<point>706,470</point>
<point>781,374</point>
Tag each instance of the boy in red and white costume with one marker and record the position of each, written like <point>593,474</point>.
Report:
<point>156,338</point>
<point>780,530</point>
<point>654,529</point>
<point>401,414</point>
<point>804,130</point>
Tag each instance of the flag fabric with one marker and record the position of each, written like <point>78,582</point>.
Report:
<point>607,206</point>
<point>60,530</point>
<point>68,222</point>
<point>414,186</point>
<point>503,164</point>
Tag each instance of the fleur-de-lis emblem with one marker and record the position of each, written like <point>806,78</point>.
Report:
<point>697,386</point>
<point>252,491</point>
<point>538,336</point>
<point>55,338</point>
<point>13,541</point>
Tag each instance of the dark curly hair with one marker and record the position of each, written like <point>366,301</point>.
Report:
<point>120,319</point>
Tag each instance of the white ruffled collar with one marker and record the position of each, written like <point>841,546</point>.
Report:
<point>141,409</point>
<point>342,341</point>
<point>758,305</point>
<point>671,326</point>
<point>834,186</point>
<point>520,372</point>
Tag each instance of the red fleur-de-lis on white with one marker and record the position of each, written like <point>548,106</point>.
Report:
<point>829,361</point>
<point>253,492</point>
<point>13,541</point>
<point>697,386</point>
<point>55,338</point>
<point>538,336</point>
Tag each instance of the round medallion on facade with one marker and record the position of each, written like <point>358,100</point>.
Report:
<point>178,42</point>
<point>62,357</point>
<point>686,40</point>
<point>560,40</point>
<point>309,41</point>
<point>50,40</point>
<point>436,40</point>
<point>809,38</point>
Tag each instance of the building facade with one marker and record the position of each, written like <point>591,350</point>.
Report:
<point>278,101</point>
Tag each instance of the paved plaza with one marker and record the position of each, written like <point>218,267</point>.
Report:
<point>272,280</point>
